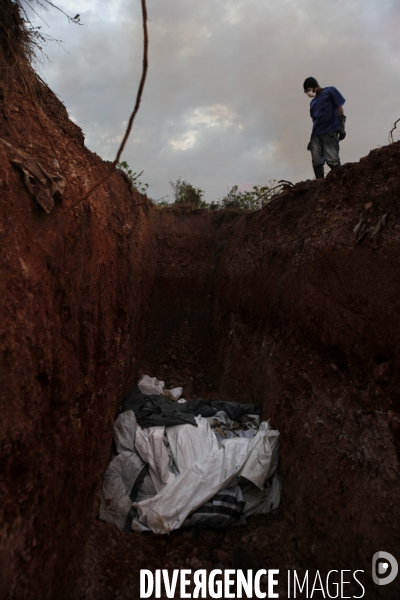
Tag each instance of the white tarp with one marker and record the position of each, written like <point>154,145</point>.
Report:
<point>149,443</point>
<point>151,385</point>
<point>124,431</point>
<point>119,477</point>
<point>189,444</point>
<point>175,393</point>
<point>259,464</point>
<point>216,473</point>
<point>188,491</point>
<point>262,502</point>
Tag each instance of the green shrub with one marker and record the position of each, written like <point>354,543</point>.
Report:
<point>136,183</point>
<point>185,193</point>
<point>248,200</point>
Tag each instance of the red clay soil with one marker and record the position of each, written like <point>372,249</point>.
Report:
<point>279,307</point>
<point>284,309</point>
<point>74,289</point>
<point>315,336</point>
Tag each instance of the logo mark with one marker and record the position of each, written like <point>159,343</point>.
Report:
<point>385,564</point>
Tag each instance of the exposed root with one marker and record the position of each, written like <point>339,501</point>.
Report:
<point>133,115</point>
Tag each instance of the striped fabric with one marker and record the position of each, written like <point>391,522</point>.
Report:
<point>225,509</point>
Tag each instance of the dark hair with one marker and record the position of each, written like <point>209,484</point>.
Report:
<point>310,82</point>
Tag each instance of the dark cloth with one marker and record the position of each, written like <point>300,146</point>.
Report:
<point>202,407</point>
<point>325,148</point>
<point>159,410</point>
<point>155,410</point>
<point>133,495</point>
<point>323,111</point>
<point>224,510</point>
<point>235,410</point>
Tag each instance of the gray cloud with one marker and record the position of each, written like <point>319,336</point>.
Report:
<point>223,102</point>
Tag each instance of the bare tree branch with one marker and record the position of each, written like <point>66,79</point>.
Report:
<point>141,172</point>
<point>390,138</point>
<point>70,19</point>
<point>281,183</point>
<point>133,115</point>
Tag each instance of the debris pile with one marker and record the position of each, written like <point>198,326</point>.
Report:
<point>193,463</point>
<point>43,185</point>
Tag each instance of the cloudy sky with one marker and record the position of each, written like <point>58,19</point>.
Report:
<point>223,102</point>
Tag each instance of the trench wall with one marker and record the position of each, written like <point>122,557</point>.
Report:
<point>307,322</point>
<point>303,321</point>
<point>74,294</point>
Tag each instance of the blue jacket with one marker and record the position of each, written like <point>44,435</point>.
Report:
<point>323,111</point>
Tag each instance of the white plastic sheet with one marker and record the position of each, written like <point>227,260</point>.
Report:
<point>189,444</point>
<point>149,443</point>
<point>260,462</point>
<point>119,478</point>
<point>151,385</point>
<point>213,471</point>
<point>124,431</point>
<point>176,393</point>
<point>262,501</point>
<point>203,479</point>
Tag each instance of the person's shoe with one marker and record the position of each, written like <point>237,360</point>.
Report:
<point>319,172</point>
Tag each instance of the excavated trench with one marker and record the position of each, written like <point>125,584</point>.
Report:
<point>244,308</point>
<point>280,308</point>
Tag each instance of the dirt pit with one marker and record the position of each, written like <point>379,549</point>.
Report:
<point>224,321</point>
<point>286,308</point>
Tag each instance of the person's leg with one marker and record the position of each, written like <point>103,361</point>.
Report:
<point>330,149</point>
<point>319,172</point>
<point>317,156</point>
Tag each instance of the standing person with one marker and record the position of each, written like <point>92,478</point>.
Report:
<point>326,110</point>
